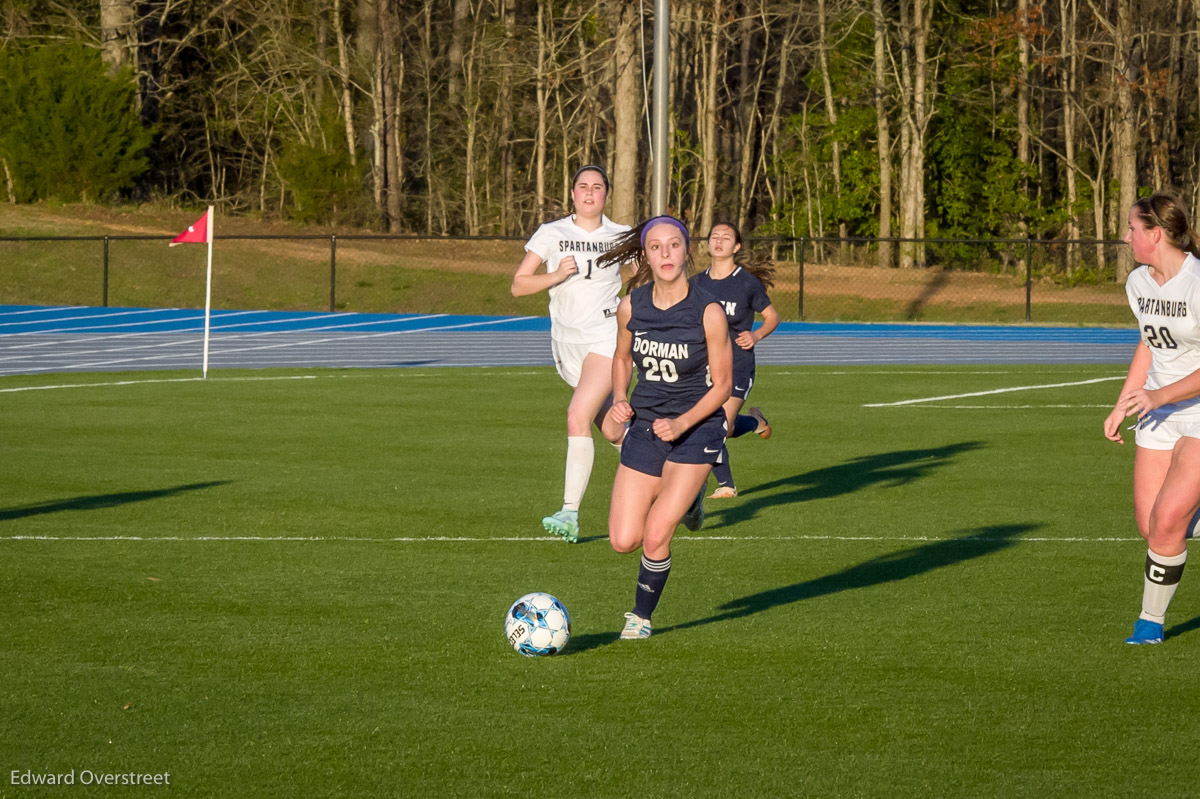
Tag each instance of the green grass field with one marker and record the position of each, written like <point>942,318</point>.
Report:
<point>295,587</point>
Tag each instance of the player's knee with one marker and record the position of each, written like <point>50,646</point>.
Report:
<point>1166,529</point>
<point>579,420</point>
<point>657,542</point>
<point>624,543</point>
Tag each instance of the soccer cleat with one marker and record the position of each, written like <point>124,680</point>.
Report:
<point>764,427</point>
<point>564,524</point>
<point>723,492</point>
<point>1146,632</point>
<point>694,518</point>
<point>635,627</point>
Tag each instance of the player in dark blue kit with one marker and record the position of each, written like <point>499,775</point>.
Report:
<point>740,284</point>
<point>675,335</point>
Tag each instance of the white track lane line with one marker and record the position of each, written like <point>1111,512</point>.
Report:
<point>185,316</point>
<point>993,391</point>
<point>221,352</point>
<point>49,309</point>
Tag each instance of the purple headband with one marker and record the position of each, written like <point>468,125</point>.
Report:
<point>669,220</point>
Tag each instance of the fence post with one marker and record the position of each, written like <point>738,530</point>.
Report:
<point>105,292</point>
<point>332,272</point>
<point>1028,280</point>
<point>800,262</point>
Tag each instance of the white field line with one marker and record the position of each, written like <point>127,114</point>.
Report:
<point>934,369</point>
<point>550,540</point>
<point>992,391</point>
<point>159,380</point>
<point>403,373</point>
<point>1005,407</point>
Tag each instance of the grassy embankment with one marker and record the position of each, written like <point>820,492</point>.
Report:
<point>409,275</point>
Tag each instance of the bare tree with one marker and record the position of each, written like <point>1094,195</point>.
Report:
<point>916,22</point>
<point>626,95</point>
<point>882,131</point>
<point>346,97</point>
<point>832,113</point>
<point>118,36</point>
<point>707,118</point>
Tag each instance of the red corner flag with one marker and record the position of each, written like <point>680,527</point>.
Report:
<point>196,233</point>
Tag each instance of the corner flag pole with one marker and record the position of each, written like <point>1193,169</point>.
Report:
<point>201,231</point>
<point>208,291</point>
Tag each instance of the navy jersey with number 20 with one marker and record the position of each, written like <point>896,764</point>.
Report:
<point>670,353</point>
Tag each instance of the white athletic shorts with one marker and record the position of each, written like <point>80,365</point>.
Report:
<point>568,358</point>
<point>1157,431</point>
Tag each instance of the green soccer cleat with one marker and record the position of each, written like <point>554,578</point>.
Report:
<point>635,627</point>
<point>564,524</point>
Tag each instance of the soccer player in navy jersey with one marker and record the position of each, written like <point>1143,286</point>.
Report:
<point>739,282</point>
<point>1163,390</point>
<point>583,325</point>
<point>676,337</point>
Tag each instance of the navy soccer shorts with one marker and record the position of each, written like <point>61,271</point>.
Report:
<point>743,380</point>
<point>645,452</point>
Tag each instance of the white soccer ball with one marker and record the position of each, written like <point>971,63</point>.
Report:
<point>537,624</point>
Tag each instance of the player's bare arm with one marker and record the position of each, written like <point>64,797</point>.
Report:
<point>528,281</point>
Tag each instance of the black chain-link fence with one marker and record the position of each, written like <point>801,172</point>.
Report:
<point>863,280</point>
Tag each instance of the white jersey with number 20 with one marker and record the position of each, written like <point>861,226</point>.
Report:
<point>1168,318</point>
<point>583,308</point>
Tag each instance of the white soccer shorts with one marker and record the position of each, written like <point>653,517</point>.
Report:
<point>568,358</point>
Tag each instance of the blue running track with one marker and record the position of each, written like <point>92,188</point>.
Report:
<point>40,339</point>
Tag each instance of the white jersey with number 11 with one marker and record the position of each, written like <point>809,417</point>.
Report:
<point>583,308</point>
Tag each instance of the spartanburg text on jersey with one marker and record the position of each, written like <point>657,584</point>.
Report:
<point>583,308</point>
<point>1168,318</point>
<point>669,351</point>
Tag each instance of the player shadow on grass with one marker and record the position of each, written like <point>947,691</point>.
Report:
<point>101,501</point>
<point>892,469</point>
<point>883,569</point>
<point>1185,627</point>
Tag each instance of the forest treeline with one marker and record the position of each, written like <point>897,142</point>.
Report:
<point>853,118</point>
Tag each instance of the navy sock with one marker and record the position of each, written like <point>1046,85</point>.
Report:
<point>743,425</point>
<point>722,470</point>
<point>652,576</point>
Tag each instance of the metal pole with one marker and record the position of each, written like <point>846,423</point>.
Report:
<point>1028,280</point>
<point>332,272</point>
<point>106,271</point>
<point>800,261</point>
<point>661,90</point>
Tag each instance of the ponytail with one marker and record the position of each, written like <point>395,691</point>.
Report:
<point>756,264</point>
<point>1165,210</point>
<point>627,249</point>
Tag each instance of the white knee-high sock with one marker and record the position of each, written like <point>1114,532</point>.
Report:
<point>1162,578</point>
<point>581,452</point>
